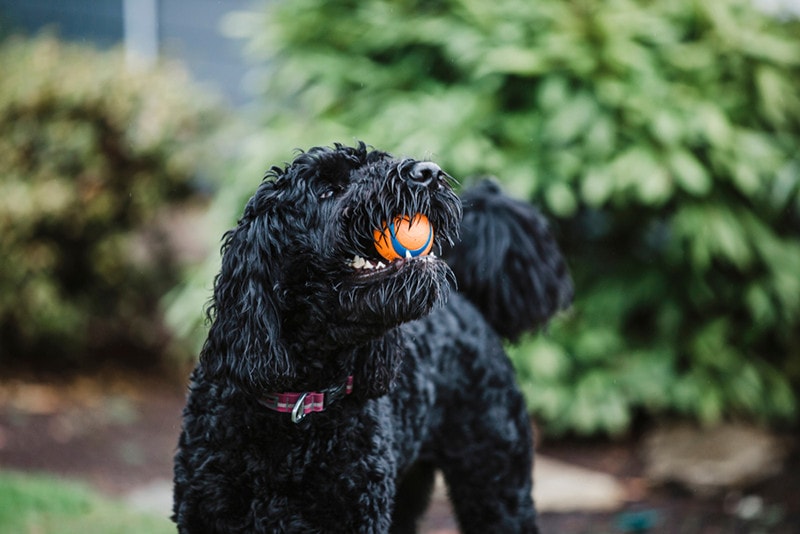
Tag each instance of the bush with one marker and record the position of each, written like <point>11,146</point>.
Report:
<point>660,135</point>
<point>90,153</point>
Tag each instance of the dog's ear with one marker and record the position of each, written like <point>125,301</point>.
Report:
<point>507,262</point>
<point>244,341</point>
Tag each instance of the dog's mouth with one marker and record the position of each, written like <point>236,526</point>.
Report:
<point>403,242</point>
<point>366,268</point>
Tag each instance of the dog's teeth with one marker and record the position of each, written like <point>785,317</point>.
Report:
<point>361,263</point>
<point>408,255</point>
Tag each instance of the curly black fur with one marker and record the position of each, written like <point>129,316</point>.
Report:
<point>507,262</point>
<point>432,386</point>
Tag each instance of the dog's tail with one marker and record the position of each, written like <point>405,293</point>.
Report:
<point>507,262</point>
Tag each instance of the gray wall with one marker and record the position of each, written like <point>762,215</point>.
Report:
<point>95,21</point>
<point>187,30</point>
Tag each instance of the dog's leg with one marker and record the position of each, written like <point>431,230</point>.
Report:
<point>413,495</point>
<point>486,449</point>
<point>490,485</point>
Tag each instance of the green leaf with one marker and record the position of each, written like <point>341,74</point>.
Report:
<point>711,124</point>
<point>553,93</point>
<point>638,171</point>
<point>601,138</point>
<point>782,400</point>
<point>710,407</point>
<point>774,93</point>
<point>549,362</point>
<point>655,188</point>
<point>571,119</point>
<point>560,199</point>
<point>597,344</point>
<point>746,389</point>
<point>746,178</point>
<point>597,187</point>
<point>668,127</point>
<point>760,305</point>
<point>512,60</point>
<point>688,173</point>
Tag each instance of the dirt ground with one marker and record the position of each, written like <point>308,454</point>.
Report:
<point>119,434</point>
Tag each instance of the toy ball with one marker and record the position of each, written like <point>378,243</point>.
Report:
<point>404,237</point>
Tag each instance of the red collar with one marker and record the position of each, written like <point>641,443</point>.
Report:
<point>302,404</point>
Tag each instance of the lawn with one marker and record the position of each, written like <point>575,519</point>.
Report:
<point>44,504</point>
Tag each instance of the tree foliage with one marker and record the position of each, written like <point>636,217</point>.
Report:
<point>660,135</point>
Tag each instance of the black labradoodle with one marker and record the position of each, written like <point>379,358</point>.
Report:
<point>334,383</point>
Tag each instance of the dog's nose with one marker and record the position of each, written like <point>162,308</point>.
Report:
<point>424,172</point>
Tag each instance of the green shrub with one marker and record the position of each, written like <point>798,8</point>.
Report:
<point>660,135</point>
<point>90,152</point>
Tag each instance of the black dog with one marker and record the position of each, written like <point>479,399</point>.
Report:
<point>334,383</point>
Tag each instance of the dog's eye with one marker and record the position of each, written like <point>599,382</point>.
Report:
<point>330,192</point>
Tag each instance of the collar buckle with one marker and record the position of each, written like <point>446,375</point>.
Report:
<point>299,405</point>
<point>299,410</point>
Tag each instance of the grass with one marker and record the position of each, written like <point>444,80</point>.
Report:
<point>38,504</point>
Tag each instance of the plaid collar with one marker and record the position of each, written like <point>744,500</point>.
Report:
<point>302,404</point>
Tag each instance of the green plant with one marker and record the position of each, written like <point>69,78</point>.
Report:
<point>661,136</point>
<point>37,503</point>
<point>90,151</point>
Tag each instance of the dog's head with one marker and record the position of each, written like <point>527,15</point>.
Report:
<point>302,282</point>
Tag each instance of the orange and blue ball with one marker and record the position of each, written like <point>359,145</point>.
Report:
<point>404,237</point>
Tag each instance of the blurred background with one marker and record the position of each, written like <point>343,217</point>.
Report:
<point>660,137</point>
